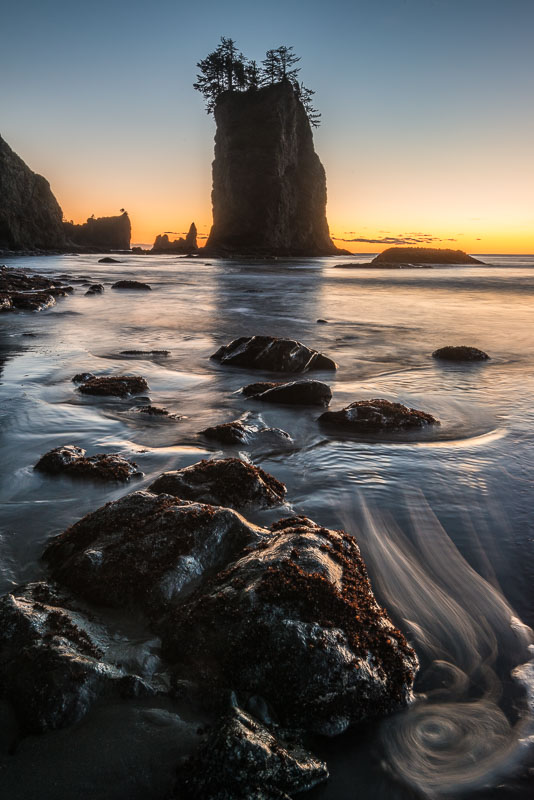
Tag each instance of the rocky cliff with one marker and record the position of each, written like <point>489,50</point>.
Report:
<point>269,186</point>
<point>103,233</point>
<point>30,216</point>
<point>188,245</point>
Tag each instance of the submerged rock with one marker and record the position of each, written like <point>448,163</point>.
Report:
<point>147,550</point>
<point>253,389</point>
<point>227,482</point>
<point>145,352</point>
<point>237,432</point>
<point>116,385</point>
<point>156,411</point>
<point>295,621</point>
<point>302,393</point>
<point>368,416</point>
<point>72,461</point>
<point>242,760</point>
<point>460,353</point>
<point>271,353</point>
<point>51,659</point>
<point>108,260</point>
<point>131,285</point>
<point>95,288</point>
<point>82,377</point>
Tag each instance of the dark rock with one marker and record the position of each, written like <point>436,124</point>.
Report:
<point>423,255</point>
<point>95,288</point>
<point>72,461</point>
<point>241,759</point>
<point>295,621</point>
<point>117,385</point>
<point>182,246</point>
<point>30,216</point>
<point>52,666</point>
<point>460,353</point>
<point>82,377</point>
<point>377,415</point>
<point>257,388</point>
<point>271,353</point>
<point>322,322</point>
<point>147,550</point>
<point>227,482</point>
<point>19,290</point>
<point>269,187</point>
<point>228,433</point>
<point>302,393</point>
<point>109,260</point>
<point>144,352</point>
<point>103,233</point>
<point>155,411</point>
<point>131,285</point>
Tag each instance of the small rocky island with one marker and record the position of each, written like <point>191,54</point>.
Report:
<point>423,255</point>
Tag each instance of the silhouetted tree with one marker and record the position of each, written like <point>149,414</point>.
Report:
<point>227,70</point>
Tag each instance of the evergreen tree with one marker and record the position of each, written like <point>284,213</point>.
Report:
<point>305,96</point>
<point>223,70</point>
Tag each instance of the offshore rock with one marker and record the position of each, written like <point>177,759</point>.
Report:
<point>95,288</point>
<point>295,621</point>
<point>52,666</point>
<point>302,393</point>
<point>131,285</point>
<point>108,260</point>
<point>30,216</point>
<point>269,186</point>
<point>72,461</point>
<point>241,759</point>
<point>147,550</point>
<point>369,416</point>
<point>273,354</point>
<point>460,353</point>
<point>227,482</point>
<point>423,255</point>
<point>182,246</point>
<point>116,385</point>
<point>104,233</point>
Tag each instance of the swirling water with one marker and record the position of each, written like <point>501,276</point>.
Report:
<point>444,517</point>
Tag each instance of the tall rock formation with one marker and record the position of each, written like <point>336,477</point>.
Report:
<point>30,216</point>
<point>102,233</point>
<point>269,186</point>
<point>185,246</point>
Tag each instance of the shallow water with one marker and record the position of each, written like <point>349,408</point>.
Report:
<point>444,517</point>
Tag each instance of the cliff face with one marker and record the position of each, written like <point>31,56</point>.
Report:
<point>30,216</point>
<point>269,186</point>
<point>185,246</point>
<point>104,233</point>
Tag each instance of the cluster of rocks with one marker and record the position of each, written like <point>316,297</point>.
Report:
<point>19,290</point>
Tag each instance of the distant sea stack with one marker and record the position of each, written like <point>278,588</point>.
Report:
<point>103,233</point>
<point>30,216</point>
<point>423,255</point>
<point>183,246</point>
<point>269,186</point>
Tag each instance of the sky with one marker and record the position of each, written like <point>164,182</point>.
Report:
<point>427,116</point>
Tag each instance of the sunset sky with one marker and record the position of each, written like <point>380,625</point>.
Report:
<point>428,116</point>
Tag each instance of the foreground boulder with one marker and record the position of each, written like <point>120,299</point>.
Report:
<point>131,285</point>
<point>241,759</point>
<point>116,385</point>
<point>51,659</point>
<point>369,416</point>
<point>227,482</point>
<point>72,461</point>
<point>147,550</point>
<point>271,353</point>
<point>295,621</point>
<point>20,290</point>
<point>302,393</point>
<point>460,353</point>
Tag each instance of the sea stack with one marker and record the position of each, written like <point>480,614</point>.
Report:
<point>269,186</point>
<point>30,216</point>
<point>101,233</point>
